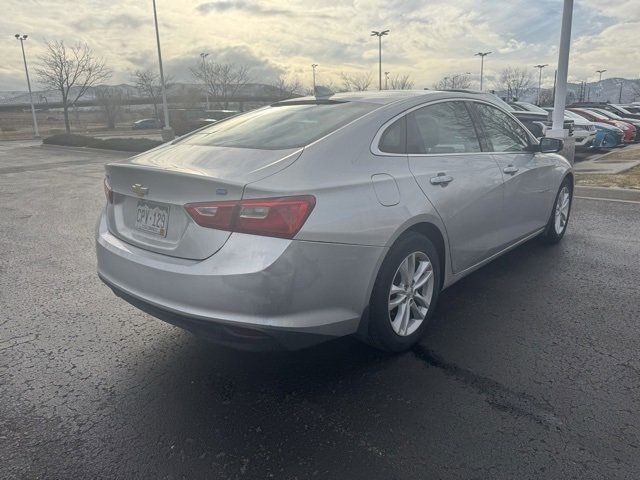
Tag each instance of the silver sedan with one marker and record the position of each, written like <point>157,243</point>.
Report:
<point>319,217</point>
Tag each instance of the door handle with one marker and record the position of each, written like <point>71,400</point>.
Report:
<point>510,169</point>
<point>441,179</point>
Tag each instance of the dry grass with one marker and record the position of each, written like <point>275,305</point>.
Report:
<point>628,179</point>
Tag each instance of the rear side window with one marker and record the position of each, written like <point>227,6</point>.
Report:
<point>281,126</point>
<point>441,128</point>
<point>393,140</point>
<point>502,133</point>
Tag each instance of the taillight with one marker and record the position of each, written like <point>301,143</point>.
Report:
<point>108,192</point>
<point>275,217</point>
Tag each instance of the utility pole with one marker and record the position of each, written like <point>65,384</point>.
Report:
<point>167,131</point>
<point>540,67</point>
<point>386,80</point>
<point>481,55</point>
<point>205,77</point>
<point>375,33</point>
<point>313,68</point>
<point>22,38</point>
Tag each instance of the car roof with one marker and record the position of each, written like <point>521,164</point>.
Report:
<point>385,97</point>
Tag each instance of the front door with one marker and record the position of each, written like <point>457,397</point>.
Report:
<point>528,177</point>
<point>464,184</point>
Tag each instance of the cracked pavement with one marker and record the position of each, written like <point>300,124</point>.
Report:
<point>529,369</point>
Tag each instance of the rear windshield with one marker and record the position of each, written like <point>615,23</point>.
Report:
<point>283,126</point>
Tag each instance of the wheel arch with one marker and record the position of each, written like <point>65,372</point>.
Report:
<point>424,227</point>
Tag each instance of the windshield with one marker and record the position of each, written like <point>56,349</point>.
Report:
<point>281,126</point>
<point>609,114</point>
<point>504,104</point>
<point>532,108</point>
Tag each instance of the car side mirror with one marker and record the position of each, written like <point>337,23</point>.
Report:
<point>550,145</point>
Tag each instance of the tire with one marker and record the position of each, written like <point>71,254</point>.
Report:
<point>554,231</point>
<point>385,328</point>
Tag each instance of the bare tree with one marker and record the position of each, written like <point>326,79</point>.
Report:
<point>71,71</point>
<point>287,88</point>
<point>635,89</point>
<point>222,80</point>
<point>453,82</point>
<point>148,84</point>
<point>111,100</point>
<point>356,82</point>
<point>515,81</point>
<point>401,82</point>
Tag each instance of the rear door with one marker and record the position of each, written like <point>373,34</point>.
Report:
<point>463,184</point>
<point>529,178</point>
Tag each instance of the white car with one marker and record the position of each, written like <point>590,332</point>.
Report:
<point>584,131</point>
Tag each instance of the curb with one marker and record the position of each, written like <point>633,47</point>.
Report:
<point>608,193</point>
<point>87,149</point>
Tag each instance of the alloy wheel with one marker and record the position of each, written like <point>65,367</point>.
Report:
<point>562,210</point>
<point>411,293</point>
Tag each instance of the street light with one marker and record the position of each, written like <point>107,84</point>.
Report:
<point>167,132</point>
<point>540,67</point>
<point>22,38</point>
<point>204,77</point>
<point>620,84</point>
<point>381,34</point>
<point>600,72</point>
<point>386,80</point>
<point>481,55</point>
<point>313,67</point>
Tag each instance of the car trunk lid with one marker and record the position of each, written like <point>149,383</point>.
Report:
<point>151,189</point>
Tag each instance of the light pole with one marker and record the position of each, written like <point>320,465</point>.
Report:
<point>386,80</point>
<point>540,67</point>
<point>600,72</point>
<point>205,77</point>
<point>313,68</point>
<point>381,34</point>
<point>620,94</point>
<point>22,38</point>
<point>481,55</point>
<point>557,128</point>
<point>167,131</point>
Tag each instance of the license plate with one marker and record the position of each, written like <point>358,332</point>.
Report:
<point>152,217</point>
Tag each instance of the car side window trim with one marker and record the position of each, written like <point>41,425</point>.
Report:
<point>376,139</point>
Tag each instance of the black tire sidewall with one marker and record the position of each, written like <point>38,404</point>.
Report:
<point>381,333</point>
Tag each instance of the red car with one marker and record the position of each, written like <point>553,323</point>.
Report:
<point>628,130</point>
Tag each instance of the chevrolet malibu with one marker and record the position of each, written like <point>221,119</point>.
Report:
<point>320,217</point>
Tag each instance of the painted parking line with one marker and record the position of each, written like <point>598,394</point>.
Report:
<point>616,200</point>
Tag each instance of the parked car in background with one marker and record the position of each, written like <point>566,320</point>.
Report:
<point>607,136</point>
<point>316,218</point>
<point>629,131</point>
<point>146,123</point>
<point>632,108</point>
<point>632,121</point>
<point>525,111</point>
<point>619,110</point>
<point>584,131</point>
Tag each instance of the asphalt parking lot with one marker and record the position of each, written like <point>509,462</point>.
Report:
<point>530,368</point>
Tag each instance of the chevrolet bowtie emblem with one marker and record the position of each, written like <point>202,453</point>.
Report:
<point>139,190</point>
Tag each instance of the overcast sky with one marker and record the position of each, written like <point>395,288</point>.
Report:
<point>427,40</point>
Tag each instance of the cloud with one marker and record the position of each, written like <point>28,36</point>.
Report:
<point>427,40</point>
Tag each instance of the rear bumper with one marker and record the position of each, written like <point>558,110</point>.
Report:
<point>255,292</point>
